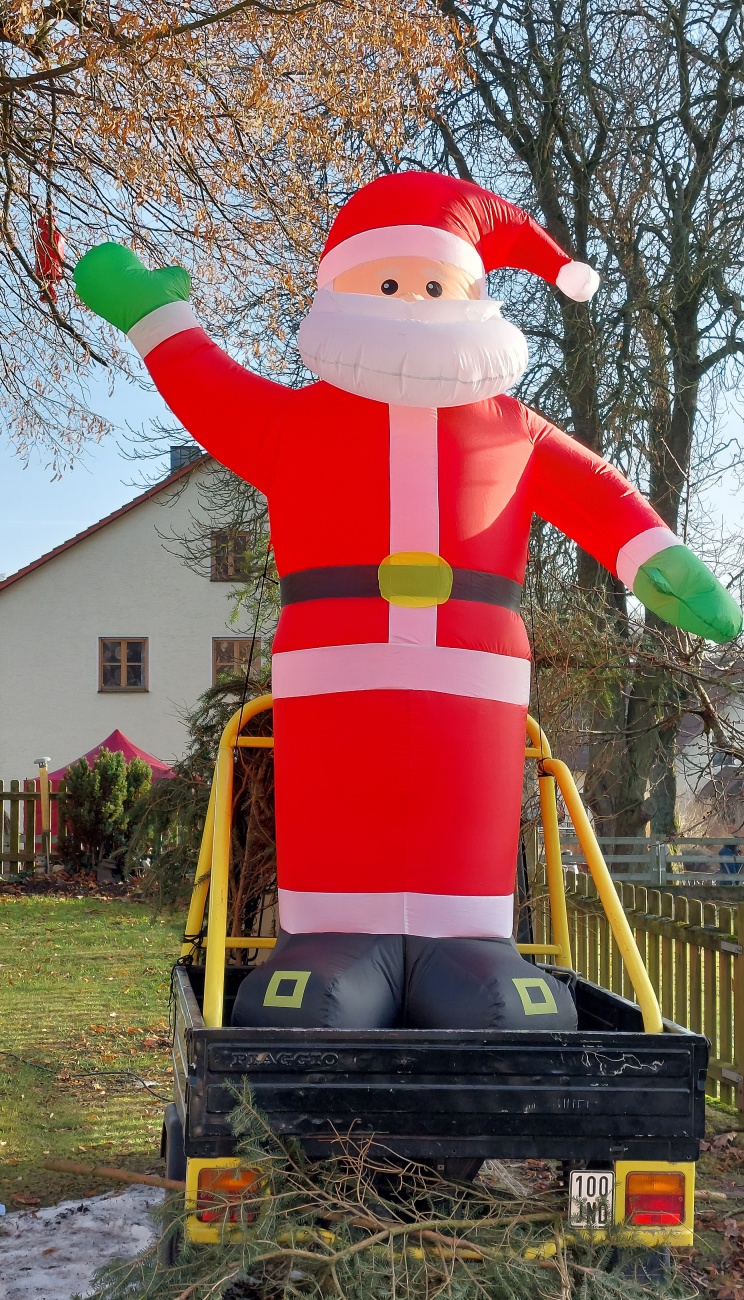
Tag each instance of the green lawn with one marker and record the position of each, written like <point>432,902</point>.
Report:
<point>84,987</point>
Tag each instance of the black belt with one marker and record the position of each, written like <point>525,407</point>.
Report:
<point>339,580</point>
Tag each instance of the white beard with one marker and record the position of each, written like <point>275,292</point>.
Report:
<point>447,352</point>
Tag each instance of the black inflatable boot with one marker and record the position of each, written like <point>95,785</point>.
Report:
<point>481,984</point>
<point>326,981</point>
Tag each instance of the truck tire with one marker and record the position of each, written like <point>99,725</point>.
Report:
<point>462,1169</point>
<point>644,1267</point>
<point>172,1148</point>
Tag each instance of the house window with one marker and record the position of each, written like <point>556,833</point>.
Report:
<point>230,556</point>
<point>230,657</point>
<point>122,663</point>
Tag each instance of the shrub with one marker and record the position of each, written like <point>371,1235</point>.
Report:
<point>99,804</point>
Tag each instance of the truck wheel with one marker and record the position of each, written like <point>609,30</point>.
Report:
<point>645,1267</point>
<point>172,1147</point>
<point>464,1169</point>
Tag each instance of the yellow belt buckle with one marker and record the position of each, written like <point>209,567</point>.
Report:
<point>415,579</point>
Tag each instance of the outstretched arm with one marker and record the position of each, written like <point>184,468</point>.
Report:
<point>236,416</point>
<point>592,503</point>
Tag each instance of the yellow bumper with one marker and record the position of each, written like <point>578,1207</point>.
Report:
<point>628,1234</point>
<point>622,1233</point>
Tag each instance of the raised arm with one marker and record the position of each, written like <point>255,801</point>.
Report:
<point>234,415</point>
<point>594,504</point>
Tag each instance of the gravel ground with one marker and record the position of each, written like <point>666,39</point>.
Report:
<point>52,1254</point>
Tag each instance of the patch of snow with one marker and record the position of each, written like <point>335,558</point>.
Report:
<point>53,1254</point>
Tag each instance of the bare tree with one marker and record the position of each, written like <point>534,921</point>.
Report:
<point>624,129</point>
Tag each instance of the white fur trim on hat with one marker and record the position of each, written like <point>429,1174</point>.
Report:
<point>400,241</point>
<point>578,281</point>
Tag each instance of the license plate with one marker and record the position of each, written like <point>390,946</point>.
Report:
<point>591,1194</point>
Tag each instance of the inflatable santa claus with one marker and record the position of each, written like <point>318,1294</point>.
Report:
<point>401,489</point>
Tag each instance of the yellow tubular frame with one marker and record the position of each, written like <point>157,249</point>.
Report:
<point>621,931</point>
<point>539,748</point>
<point>212,871</point>
<point>220,828</point>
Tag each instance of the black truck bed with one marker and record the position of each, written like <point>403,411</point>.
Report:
<point>606,1092</point>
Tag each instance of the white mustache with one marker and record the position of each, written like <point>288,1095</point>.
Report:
<point>441,352</point>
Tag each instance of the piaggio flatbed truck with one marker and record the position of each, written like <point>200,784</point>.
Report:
<point>619,1101</point>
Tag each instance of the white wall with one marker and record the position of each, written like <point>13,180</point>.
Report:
<point>696,766</point>
<point>119,582</point>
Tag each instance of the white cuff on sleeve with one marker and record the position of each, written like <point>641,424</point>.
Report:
<point>639,549</point>
<point>161,324</point>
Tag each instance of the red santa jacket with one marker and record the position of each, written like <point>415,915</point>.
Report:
<point>349,482</point>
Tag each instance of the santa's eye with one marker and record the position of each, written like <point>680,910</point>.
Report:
<point>434,289</point>
<point>389,286</point>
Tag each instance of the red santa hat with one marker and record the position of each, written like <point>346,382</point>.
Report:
<point>448,220</point>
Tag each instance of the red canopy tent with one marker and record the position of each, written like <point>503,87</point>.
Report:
<point>118,743</point>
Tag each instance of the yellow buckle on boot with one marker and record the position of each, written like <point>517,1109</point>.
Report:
<point>415,579</point>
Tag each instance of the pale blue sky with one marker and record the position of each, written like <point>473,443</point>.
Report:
<point>38,514</point>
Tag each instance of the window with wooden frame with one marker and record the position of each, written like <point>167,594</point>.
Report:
<point>230,657</point>
<point>230,556</point>
<point>122,663</point>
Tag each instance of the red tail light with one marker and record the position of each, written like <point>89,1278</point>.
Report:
<point>219,1192</point>
<point>655,1199</point>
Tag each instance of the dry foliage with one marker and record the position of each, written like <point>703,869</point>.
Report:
<point>215,134</point>
<point>367,1226</point>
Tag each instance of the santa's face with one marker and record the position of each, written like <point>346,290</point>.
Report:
<point>409,279</point>
<point>409,331</point>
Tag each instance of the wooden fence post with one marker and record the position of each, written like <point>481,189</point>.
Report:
<point>681,962</point>
<point>738,1006</point>
<point>19,821</point>
<point>14,817</point>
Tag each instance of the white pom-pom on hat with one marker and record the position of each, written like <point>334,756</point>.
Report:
<point>577,281</point>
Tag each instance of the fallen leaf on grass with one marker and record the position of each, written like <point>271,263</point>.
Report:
<point>722,1140</point>
<point>21,1198</point>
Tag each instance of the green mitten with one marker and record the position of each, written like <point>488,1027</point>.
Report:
<point>678,587</point>
<point>113,282</point>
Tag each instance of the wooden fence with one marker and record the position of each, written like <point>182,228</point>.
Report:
<point>694,954</point>
<point>21,844</point>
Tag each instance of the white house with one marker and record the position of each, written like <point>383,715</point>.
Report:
<point>111,630</point>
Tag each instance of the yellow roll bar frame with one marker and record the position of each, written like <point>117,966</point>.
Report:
<point>212,872</point>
